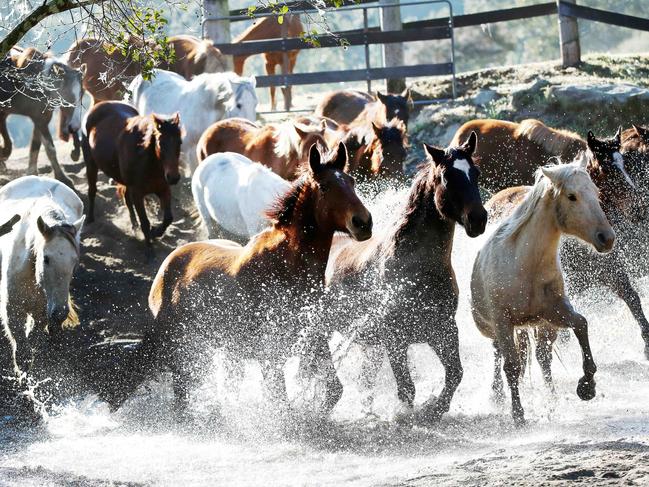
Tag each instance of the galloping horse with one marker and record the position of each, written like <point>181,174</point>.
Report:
<point>517,280</point>
<point>248,299</point>
<point>513,151</point>
<point>413,260</point>
<point>233,194</point>
<point>345,106</point>
<point>206,99</point>
<point>38,259</point>
<point>193,56</point>
<point>269,28</point>
<point>283,147</point>
<point>34,86</point>
<point>140,152</point>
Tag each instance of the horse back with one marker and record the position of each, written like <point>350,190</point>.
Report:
<point>230,135</point>
<point>343,106</point>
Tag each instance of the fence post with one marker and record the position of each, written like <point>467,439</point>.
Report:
<point>569,38</point>
<point>217,30</point>
<point>392,53</point>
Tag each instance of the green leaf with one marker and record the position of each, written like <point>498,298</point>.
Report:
<point>280,19</point>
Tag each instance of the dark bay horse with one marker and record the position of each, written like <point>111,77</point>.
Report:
<point>512,152</point>
<point>345,106</point>
<point>139,152</point>
<point>34,85</point>
<point>284,147</point>
<point>248,299</point>
<point>412,261</point>
<point>194,56</point>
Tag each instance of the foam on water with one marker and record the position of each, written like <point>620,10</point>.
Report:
<point>141,443</point>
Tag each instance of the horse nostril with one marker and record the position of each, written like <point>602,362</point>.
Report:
<point>601,238</point>
<point>357,222</point>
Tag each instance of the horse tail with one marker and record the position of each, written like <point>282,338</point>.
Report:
<point>72,321</point>
<point>553,141</point>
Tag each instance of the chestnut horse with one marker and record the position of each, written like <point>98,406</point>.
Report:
<point>248,299</point>
<point>412,262</point>
<point>511,152</point>
<point>269,28</point>
<point>34,85</point>
<point>345,106</point>
<point>283,147</point>
<point>139,152</point>
<point>192,56</point>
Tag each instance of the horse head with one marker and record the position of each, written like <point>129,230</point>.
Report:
<point>168,137</point>
<point>389,147</point>
<point>396,105</point>
<point>57,255</point>
<point>310,135</point>
<point>69,87</point>
<point>211,58</point>
<point>455,179</point>
<point>244,99</point>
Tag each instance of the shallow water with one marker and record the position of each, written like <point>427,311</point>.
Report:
<point>603,440</point>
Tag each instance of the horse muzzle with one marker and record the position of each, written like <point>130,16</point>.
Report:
<point>360,228</point>
<point>172,178</point>
<point>475,222</point>
<point>56,317</point>
<point>604,240</point>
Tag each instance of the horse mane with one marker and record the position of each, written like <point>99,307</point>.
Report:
<point>553,141</point>
<point>287,140</point>
<point>282,211</point>
<point>513,225</point>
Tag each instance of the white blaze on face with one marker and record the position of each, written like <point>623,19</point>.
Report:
<point>75,121</point>
<point>618,161</point>
<point>462,165</point>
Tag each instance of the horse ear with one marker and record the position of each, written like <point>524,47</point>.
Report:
<point>43,227</point>
<point>618,135</point>
<point>548,172</point>
<point>314,159</point>
<point>323,125</point>
<point>471,143</point>
<point>437,156</point>
<point>301,130</point>
<point>79,223</point>
<point>175,118</point>
<point>340,160</point>
<point>383,98</point>
<point>377,129</point>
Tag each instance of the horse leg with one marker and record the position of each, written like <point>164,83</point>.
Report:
<point>323,362</point>
<point>76,146</point>
<point>507,346</point>
<point>497,384</point>
<point>6,142</point>
<point>138,202</point>
<point>34,149</point>
<point>131,210</point>
<point>447,347</point>
<point>624,289</point>
<point>545,338</point>
<point>270,70</point>
<point>50,150</point>
<point>165,200</point>
<point>287,91</point>
<point>398,358</point>
<point>273,372</point>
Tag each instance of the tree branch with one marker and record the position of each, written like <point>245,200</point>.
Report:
<point>49,7</point>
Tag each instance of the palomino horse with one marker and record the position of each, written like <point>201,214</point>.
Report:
<point>234,194</point>
<point>413,262</point>
<point>376,147</point>
<point>511,152</point>
<point>517,280</point>
<point>35,90</point>
<point>248,299</point>
<point>206,99</point>
<point>38,259</point>
<point>283,147</point>
<point>345,106</point>
<point>269,28</point>
<point>194,56</point>
<point>140,152</point>
<point>583,269</point>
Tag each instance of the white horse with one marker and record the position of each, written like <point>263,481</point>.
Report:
<point>206,99</point>
<point>233,193</point>
<point>38,258</point>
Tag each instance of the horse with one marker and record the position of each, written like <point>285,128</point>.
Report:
<point>233,194</point>
<point>38,260</point>
<point>206,99</point>
<point>376,148</point>
<point>513,151</point>
<point>269,28</point>
<point>581,267</point>
<point>411,261</point>
<point>140,152</point>
<point>345,106</point>
<point>248,299</point>
<point>283,147</point>
<point>193,56</point>
<point>34,85</point>
<point>517,279</point>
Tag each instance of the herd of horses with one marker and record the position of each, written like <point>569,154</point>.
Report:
<point>290,237</point>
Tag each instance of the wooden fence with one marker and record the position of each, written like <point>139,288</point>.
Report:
<point>429,30</point>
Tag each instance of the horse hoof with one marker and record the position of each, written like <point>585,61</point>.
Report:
<point>586,389</point>
<point>74,155</point>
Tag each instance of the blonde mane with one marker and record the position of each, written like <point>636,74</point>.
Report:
<point>553,141</point>
<point>512,226</point>
<point>288,142</point>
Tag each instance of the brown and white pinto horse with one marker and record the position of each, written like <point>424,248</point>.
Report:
<point>194,56</point>
<point>283,147</point>
<point>269,28</point>
<point>248,299</point>
<point>511,152</point>
<point>34,85</point>
<point>139,152</point>
<point>345,106</point>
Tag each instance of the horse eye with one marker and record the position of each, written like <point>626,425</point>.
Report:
<point>572,197</point>
<point>46,260</point>
<point>239,106</point>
